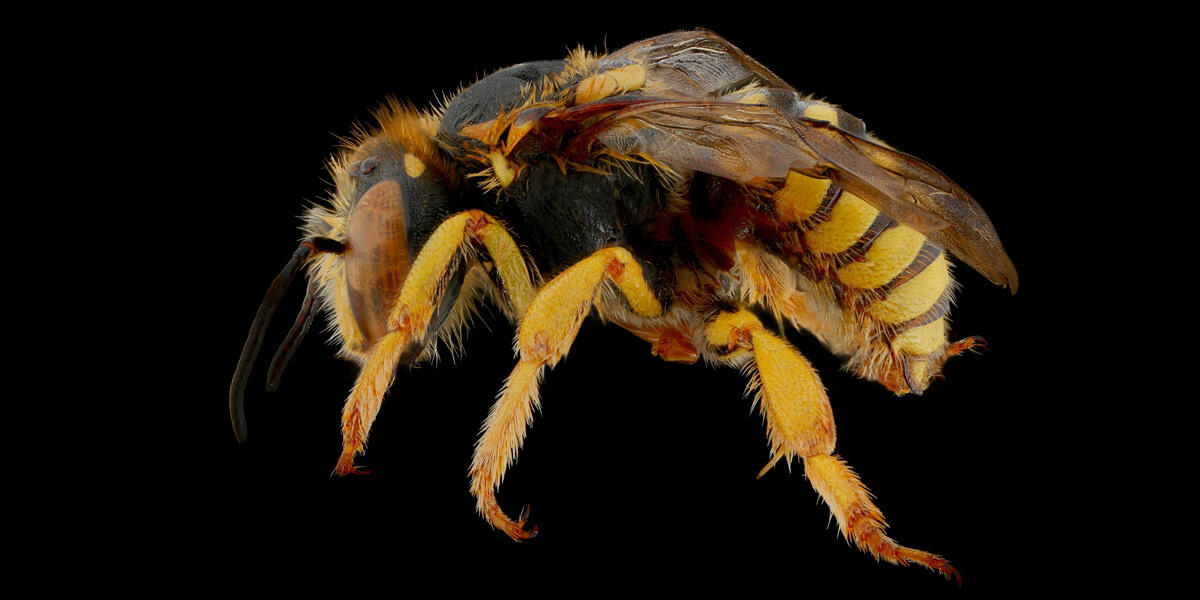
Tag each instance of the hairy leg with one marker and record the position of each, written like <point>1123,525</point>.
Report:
<point>419,298</point>
<point>800,425</point>
<point>546,333</point>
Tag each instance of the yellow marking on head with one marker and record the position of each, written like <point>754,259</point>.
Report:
<point>800,197</point>
<point>404,126</point>
<point>614,81</point>
<point>923,340</point>
<point>915,296</point>
<point>891,253</point>
<point>822,112</point>
<point>848,221</point>
<point>401,129</point>
<point>502,168</point>
<point>413,165</point>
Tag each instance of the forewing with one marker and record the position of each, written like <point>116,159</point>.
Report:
<point>735,141</point>
<point>970,234</point>
<point>695,64</point>
<point>725,114</point>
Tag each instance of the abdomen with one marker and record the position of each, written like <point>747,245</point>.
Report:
<point>889,285</point>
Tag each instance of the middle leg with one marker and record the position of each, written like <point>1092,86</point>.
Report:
<point>545,335</point>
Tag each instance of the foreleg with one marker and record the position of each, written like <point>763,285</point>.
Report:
<point>419,298</point>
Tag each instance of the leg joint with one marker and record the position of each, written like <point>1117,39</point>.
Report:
<point>477,220</point>
<point>731,330</point>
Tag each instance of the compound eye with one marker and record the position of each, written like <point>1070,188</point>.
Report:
<point>376,256</point>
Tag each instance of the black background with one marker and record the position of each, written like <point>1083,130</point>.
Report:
<point>634,467</point>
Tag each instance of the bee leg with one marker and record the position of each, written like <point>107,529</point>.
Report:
<point>966,344</point>
<point>769,282</point>
<point>800,424</point>
<point>545,334</point>
<point>668,342</point>
<point>420,296</point>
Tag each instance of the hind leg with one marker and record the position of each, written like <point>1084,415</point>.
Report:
<point>800,425</point>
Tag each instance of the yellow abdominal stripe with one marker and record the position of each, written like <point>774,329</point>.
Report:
<point>888,256</point>
<point>916,296</point>
<point>800,197</point>
<point>926,339</point>
<point>849,220</point>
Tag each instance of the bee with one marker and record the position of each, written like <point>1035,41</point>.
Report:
<point>683,192</point>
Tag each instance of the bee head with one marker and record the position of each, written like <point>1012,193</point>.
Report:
<point>398,156</point>
<point>400,148</point>
<point>393,188</point>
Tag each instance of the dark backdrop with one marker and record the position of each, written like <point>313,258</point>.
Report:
<point>633,466</point>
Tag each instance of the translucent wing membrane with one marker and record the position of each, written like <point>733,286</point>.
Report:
<point>696,64</point>
<point>706,106</point>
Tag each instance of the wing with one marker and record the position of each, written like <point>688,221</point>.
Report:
<point>704,105</point>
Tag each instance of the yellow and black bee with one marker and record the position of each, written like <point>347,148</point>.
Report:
<point>675,186</point>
